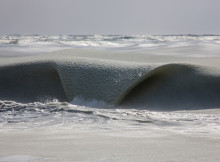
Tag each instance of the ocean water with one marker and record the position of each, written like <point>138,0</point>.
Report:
<point>111,83</point>
<point>43,43</point>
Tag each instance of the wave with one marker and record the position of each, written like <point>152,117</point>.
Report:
<point>38,43</point>
<point>156,86</point>
<point>175,86</point>
<point>30,82</point>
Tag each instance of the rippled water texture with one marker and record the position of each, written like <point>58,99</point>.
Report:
<point>15,115</point>
<point>36,43</point>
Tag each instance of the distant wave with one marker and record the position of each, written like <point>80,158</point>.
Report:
<point>148,86</point>
<point>38,43</point>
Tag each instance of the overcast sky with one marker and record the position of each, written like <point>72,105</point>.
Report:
<point>53,17</point>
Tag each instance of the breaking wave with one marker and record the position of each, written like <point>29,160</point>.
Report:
<point>162,86</point>
<point>101,90</point>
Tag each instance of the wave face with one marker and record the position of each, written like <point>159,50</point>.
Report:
<point>199,45</point>
<point>63,75</point>
<point>174,87</point>
<point>30,82</point>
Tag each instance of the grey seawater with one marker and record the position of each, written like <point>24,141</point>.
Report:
<point>184,76</point>
<point>87,115</point>
<point>54,114</point>
<point>198,45</point>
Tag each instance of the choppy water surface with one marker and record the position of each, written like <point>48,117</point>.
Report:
<point>15,115</point>
<point>37,43</point>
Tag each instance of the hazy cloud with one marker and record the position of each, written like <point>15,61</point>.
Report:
<point>109,16</point>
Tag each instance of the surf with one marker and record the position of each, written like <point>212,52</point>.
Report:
<point>153,85</point>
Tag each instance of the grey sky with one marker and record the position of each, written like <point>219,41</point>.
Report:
<point>109,17</point>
